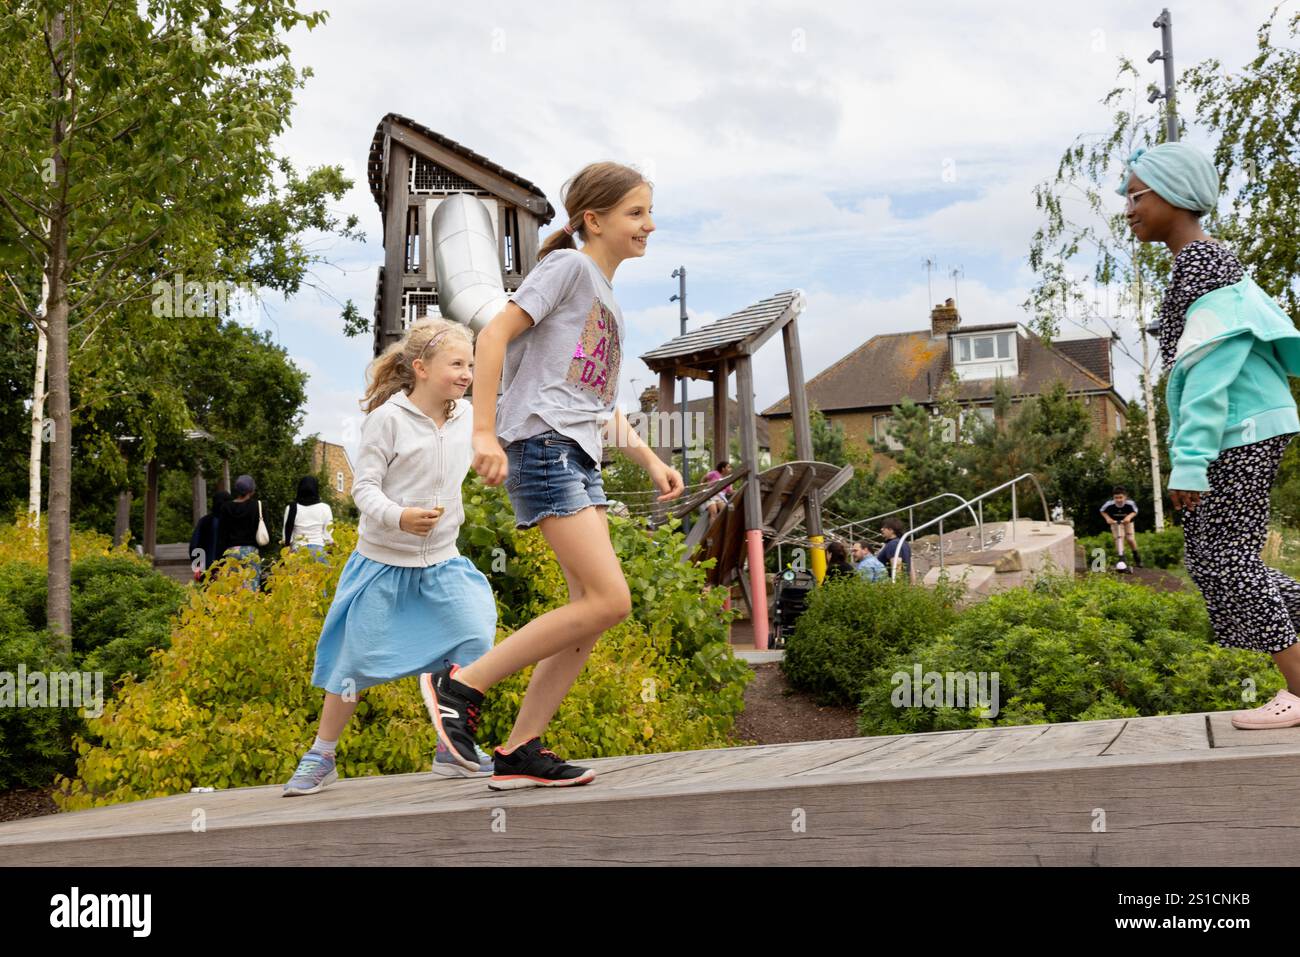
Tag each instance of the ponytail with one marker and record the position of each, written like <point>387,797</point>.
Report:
<point>597,188</point>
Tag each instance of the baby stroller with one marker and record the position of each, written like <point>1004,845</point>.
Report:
<point>789,598</point>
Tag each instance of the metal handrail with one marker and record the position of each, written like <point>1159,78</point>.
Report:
<point>979,521</point>
<point>1015,515</point>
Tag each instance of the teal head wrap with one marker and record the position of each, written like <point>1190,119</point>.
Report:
<point>1181,175</point>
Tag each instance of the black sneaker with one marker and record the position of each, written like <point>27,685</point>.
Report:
<point>454,710</point>
<point>532,766</point>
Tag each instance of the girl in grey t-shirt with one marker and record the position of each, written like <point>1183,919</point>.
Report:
<point>556,348</point>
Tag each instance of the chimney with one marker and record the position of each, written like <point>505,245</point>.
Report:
<point>944,319</point>
<point>649,398</point>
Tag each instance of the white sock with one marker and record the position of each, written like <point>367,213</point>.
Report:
<point>324,747</point>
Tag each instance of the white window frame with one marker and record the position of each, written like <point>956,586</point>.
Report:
<point>338,480</point>
<point>880,423</point>
<point>984,412</point>
<point>1001,345</point>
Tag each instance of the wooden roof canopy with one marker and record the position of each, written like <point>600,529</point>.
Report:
<point>462,160</point>
<point>699,352</point>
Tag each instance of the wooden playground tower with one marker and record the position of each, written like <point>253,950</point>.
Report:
<point>768,503</point>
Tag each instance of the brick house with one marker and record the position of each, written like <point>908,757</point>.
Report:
<point>699,412</point>
<point>338,468</point>
<point>858,391</point>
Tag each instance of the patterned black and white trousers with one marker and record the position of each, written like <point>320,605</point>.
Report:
<point>1250,605</point>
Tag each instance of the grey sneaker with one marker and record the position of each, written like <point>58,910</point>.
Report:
<point>315,772</point>
<point>447,766</point>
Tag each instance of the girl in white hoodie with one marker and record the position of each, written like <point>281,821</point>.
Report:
<point>407,601</point>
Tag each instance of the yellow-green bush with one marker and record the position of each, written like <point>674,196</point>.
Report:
<point>230,703</point>
<point>19,544</point>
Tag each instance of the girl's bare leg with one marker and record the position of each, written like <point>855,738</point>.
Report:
<point>582,546</point>
<point>334,716</point>
<point>1288,662</point>
<point>552,678</point>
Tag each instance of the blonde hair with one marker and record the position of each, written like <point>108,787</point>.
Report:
<point>393,370</point>
<point>598,187</point>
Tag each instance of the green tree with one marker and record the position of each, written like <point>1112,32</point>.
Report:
<point>1254,113</point>
<point>1089,268</point>
<point>144,133</point>
<point>861,496</point>
<point>232,382</point>
<point>926,464</point>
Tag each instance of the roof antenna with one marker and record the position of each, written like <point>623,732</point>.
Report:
<point>956,272</point>
<point>929,265</point>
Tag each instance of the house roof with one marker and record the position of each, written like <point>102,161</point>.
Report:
<point>1093,353</point>
<point>737,334</point>
<point>704,405</point>
<point>986,327</point>
<point>891,367</point>
<point>375,164</point>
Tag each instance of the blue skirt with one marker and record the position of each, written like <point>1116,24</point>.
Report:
<point>389,621</point>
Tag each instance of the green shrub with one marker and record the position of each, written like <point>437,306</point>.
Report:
<point>122,611</point>
<point>1158,549</point>
<point>1073,650</point>
<point>850,625</point>
<point>22,597</point>
<point>34,741</point>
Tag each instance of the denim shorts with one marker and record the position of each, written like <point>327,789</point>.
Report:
<point>550,474</point>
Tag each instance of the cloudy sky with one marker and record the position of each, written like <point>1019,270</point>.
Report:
<point>832,147</point>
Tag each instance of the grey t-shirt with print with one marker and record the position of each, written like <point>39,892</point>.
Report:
<point>562,373</point>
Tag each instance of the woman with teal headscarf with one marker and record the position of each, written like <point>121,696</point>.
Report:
<point>1229,349</point>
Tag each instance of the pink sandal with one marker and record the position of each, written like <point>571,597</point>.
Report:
<point>1282,712</point>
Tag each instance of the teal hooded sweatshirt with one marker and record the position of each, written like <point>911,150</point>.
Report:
<point>1228,385</point>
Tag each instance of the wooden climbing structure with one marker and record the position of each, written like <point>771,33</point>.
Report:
<point>767,504</point>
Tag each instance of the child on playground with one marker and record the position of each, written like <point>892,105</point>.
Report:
<point>407,601</point>
<point>558,342</point>
<point>718,502</point>
<point>1120,512</point>
<point>1229,349</point>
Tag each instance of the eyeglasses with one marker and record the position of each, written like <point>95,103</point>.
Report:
<point>1130,197</point>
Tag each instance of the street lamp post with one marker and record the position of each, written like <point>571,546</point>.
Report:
<point>680,275</point>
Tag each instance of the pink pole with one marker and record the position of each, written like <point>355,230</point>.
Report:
<point>758,586</point>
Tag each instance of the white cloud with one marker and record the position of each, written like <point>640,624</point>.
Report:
<point>777,135</point>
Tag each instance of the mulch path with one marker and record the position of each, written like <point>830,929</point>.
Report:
<point>1159,579</point>
<point>29,802</point>
<point>776,714</point>
<point>1156,578</point>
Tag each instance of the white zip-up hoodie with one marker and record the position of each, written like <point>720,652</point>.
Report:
<point>405,461</point>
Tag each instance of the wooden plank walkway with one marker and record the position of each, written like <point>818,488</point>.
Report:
<point>1176,790</point>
